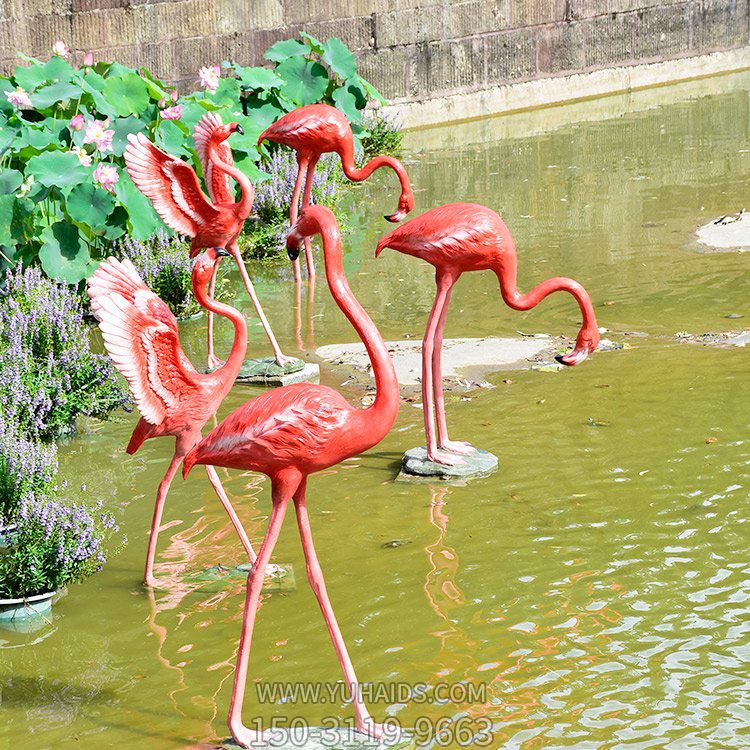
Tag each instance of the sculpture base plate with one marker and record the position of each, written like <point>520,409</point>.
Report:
<point>416,466</point>
<point>279,578</point>
<point>323,738</point>
<point>265,371</point>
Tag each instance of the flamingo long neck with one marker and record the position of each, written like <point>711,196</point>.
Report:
<point>506,275</point>
<point>248,191</point>
<point>239,346</point>
<point>357,175</point>
<point>382,414</point>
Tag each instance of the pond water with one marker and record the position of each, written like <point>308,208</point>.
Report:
<point>594,591</point>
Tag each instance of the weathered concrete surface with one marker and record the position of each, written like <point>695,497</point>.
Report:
<point>463,359</point>
<point>726,234</point>
<point>438,60</point>
<point>416,465</point>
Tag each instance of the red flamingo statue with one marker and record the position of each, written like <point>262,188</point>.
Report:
<point>462,237</point>
<point>291,432</point>
<point>140,335</point>
<point>171,184</point>
<point>317,129</point>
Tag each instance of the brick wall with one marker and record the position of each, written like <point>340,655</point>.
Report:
<point>411,49</point>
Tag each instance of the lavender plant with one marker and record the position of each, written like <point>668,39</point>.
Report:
<point>55,545</point>
<point>48,373</point>
<point>384,134</point>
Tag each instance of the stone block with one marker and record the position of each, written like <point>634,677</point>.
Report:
<point>20,8</point>
<point>723,24</point>
<point>388,70</point>
<point>240,15</point>
<point>662,31</point>
<point>476,17</point>
<point>409,26</point>
<point>82,5</point>
<point>608,40</point>
<point>356,33</point>
<point>509,55</point>
<point>534,12</point>
<point>91,29</point>
<point>177,20</point>
<point>43,32</point>
<point>454,65</point>
<point>306,11</point>
<point>559,48</point>
<point>588,8</point>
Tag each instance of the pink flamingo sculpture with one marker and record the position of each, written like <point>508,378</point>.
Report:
<point>291,432</point>
<point>317,129</point>
<point>171,184</point>
<point>462,237</point>
<point>140,333</point>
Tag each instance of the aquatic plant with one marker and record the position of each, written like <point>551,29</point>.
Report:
<point>48,373</point>
<point>64,193</point>
<point>384,134</point>
<point>55,544</point>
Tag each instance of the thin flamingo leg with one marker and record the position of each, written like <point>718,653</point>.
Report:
<point>243,736</point>
<point>281,359</point>
<point>302,163</point>
<point>212,361</point>
<point>452,446</point>
<point>306,198</point>
<point>444,283</point>
<point>161,496</point>
<point>213,477</point>
<point>365,722</point>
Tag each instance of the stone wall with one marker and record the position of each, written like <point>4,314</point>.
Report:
<point>411,49</point>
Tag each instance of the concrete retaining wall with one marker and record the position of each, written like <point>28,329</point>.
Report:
<point>414,50</point>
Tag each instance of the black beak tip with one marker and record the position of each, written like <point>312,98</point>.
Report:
<point>389,217</point>
<point>239,130</point>
<point>222,253</point>
<point>293,253</point>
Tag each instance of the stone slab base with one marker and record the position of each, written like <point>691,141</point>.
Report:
<point>322,738</point>
<point>417,466</point>
<point>279,578</point>
<point>265,371</point>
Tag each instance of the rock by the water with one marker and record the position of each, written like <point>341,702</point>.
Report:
<point>266,371</point>
<point>726,234</point>
<point>416,465</point>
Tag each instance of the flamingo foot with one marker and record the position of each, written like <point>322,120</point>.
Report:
<point>282,360</point>
<point>448,459</point>
<point>572,358</point>
<point>150,581</point>
<point>213,362</point>
<point>370,727</point>
<point>245,737</point>
<point>459,447</point>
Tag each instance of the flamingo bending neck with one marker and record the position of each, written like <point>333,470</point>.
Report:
<point>248,191</point>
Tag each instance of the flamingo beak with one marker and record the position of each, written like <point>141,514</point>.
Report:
<point>400,215</point>
<point>572,358</point>
<point>222,253</point>
<point>238,129</point>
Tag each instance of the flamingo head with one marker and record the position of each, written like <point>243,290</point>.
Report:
<point>405,204</point>
<point>224,131</point>
<point>205,264</point>
<point>586,342</point>
<point>310,222</point>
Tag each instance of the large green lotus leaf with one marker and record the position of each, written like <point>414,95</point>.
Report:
<point>247,142</point>
<point>56,169</point>
<point>123,127</point>
<point>285,49</point>
<point>258,78</point>
<point>95,80</point>
<point>227,93</point>
<point>8,134</point>
<point>62,254</point>
<point>315,44</point>
<point>10,181</point>
<point>144,221</point>
<point>61,91</point>
<point>346,101</point>
<point>55,70</point>
<point>264,111</point>
<point>25,223</point>
<point>127,94</point>
<point>249,166</point>
<point>93,95</point>
<point>305,82</point>
<point>42,136</point>
<point>370,90</point>
<point>170,137</point>
<point>155,86</point>
<point>191,113</point>
<point>116,224</point>
<point>89,204</point>
<point>7,206</point>
<point>340,58</point>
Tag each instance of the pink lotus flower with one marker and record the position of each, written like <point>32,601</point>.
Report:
<point>97,133</point>
<point>107,176</point>
<point>209,77</point>
<point>174,96</point>
<point>19,98</point>
<point>83,157</point>
<point>88,59</point>
<point>172,113</point>
<point>76,122</point>
<point>60,48</point>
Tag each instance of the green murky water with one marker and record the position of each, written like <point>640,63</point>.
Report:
<point>595,588</point>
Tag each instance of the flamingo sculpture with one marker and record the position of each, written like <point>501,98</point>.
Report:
<point>462,237</point>
<point>291,432</point>
<point>317,129</point>
<point>171,184</point>
<point>140,334</point>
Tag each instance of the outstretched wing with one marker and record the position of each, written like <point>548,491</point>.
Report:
<point>219,183</point>
<point>140,335</point>
<point>170,184</point>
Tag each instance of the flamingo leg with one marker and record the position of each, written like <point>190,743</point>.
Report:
<point>444,283</point>
<point>306,198</point>
<point>213,477</point>
<point>302,163</point>
<point>161,496</point>
<point>443,443</point>
<point>281,359</point>
<point>212,361</point>
<point>364,721</point>
<point>282,492</point>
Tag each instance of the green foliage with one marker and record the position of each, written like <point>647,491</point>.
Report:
<point>384,135</point>
<point>64,192</point>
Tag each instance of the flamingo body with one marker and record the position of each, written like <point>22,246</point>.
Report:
<point>291,432</point>
<point>141,336</point>
<point>461,237</point>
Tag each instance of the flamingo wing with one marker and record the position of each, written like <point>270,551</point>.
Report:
<point>140,335</point>
<point>218,182</point>
<point>170,184</point>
